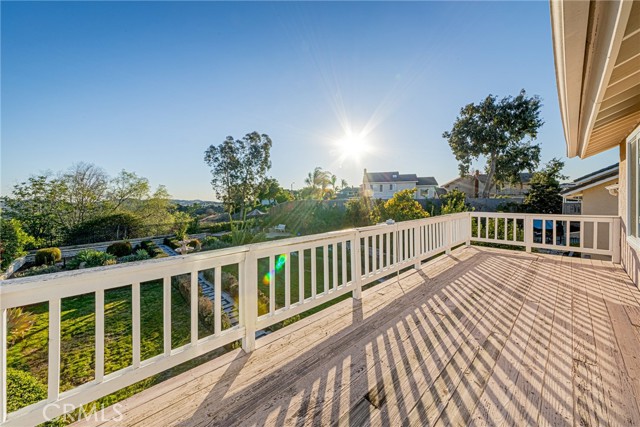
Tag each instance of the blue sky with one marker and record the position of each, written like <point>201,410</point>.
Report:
<point>148,86</point>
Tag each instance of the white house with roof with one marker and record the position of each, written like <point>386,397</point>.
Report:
<point>383,185</point>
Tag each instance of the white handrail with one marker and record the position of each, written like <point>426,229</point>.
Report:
<point>346,261</point>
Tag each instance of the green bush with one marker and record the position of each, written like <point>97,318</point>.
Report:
<point>103,229</point>
<point>139,255</point>
<point>91,258</point>
<point>171,242</point>
<point>23,389</point>
<point>119,249</point>
<point>14,240</point>
<point>48,256</point>
<point>152,249</point>
<point>211,243</point>
<point>19,322</point>
<point>217,227</point>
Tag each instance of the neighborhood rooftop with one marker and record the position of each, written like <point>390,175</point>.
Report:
<point>395,176</point>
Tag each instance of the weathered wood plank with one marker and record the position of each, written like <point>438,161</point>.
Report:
<point>588,394</point>
<point>556,406</point>
<point>621,403</point>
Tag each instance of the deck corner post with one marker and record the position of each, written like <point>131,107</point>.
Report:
<point>249,301</point>
<point>616,242</point>
<point>357,257</point>
<point>447,236</point>
<point>469,229</point>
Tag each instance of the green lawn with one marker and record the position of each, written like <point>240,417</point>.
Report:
<point>264,276</point>
<point>78,337</point>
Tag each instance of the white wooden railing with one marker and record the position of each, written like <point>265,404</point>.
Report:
<point>345,261</point>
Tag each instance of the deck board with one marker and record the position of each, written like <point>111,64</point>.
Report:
<point>479,337</point>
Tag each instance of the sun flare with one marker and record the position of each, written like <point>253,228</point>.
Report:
<point>352,146</point>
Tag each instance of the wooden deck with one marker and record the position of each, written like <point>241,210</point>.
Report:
<point>479,337</point>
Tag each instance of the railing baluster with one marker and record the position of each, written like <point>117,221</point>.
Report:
<point>554,237</point>
<point>581,245</point>
<point>193,297</point>
<point>325,269</point>
<point>344,262</point>
<point>314,276</point>
<point>99,344</point>
<point>301,276</point>
<point>248,282</point>
<point>287,280</point>
<point>272,284</point>
<point>135,323</point>
<point>334,252</point>
<point>217,300</point>
<point>53,383</point>
<point>595,234</point>
<point>388,249</point>
<point>166,314</point>
<point>3,365</point>
<point>374,254</point>
<point>366,257</point>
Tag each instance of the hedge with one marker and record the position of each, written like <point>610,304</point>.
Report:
<point>23,389</point>
<point>119,249</point>
<point>48,256</point>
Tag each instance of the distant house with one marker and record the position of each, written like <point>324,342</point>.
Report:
<point>348,193</point>
<point>595,192</point>
<point>473,185</point>
<point>383,185</point>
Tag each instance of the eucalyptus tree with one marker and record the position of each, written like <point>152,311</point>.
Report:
<point>238,169</point>
<point>502,132</point>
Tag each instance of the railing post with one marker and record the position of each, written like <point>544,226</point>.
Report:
<point>615,240</point>
<point>528,232</point>
<point>249,301</point>
<point>469,229</point>
<point>357,257</point>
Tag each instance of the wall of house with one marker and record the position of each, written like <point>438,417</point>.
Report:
<point>630,256</point>
<point>465,185</point>
<point>387,193</point>
<point>426,191</point>
<point>597,200</point>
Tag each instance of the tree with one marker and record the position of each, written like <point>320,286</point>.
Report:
<point>401,207</point>
<point>238,169</point>
<point>502,131</point>
<point>36,204</point>
<point>13,240</point>
<point>544,196</point>
<point>83,187</point>
<point>272,191</point>
<point>358,212</point>
<point>453,202</point>
<point>127,188</point>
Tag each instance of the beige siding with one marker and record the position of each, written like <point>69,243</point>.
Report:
<point>598,201</point>
<point>630,256</point>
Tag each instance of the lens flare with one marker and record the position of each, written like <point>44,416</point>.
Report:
<point>280,262</point>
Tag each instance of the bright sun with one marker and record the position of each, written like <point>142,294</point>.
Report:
<point>352,146</point>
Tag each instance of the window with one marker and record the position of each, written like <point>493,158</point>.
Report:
<point>390,186</point>
<point>633,183</point>
<point>380,187</point>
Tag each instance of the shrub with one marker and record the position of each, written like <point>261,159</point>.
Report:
<point>48,256</point>
<point>35,271</point>
<point>195,244</point>
<point>91,258</point>
<point>19,322</point>
<point>103,229</point>
<point>152,249</point>
<point>119,249</point>
<point>14,239</point>
<point>139,255</point>
<point>171,242</point>
<point>212,243</point>
<point>218,227</point>
<point>23,389</point>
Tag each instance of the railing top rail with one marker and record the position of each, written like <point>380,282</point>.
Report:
<point>544,216</point>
